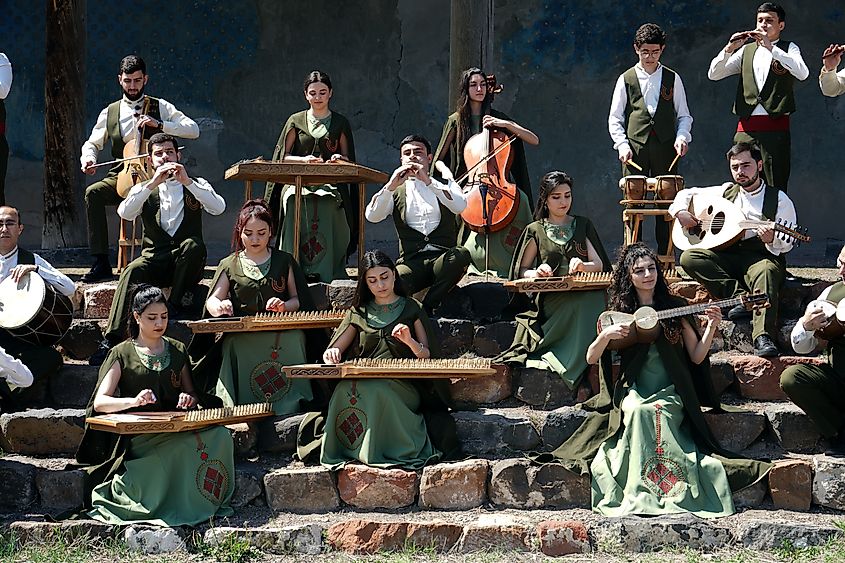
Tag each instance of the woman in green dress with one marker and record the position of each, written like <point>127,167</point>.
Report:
<point>474,112</point>
<point>645,441</point>
<point>329,222</point>
<point>380,422</point>
<point>168,479</point>
<point>554,331</point>
<point>257,278</point>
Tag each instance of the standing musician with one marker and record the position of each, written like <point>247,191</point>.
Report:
<point>475,97</point>
<point>649,120</point>
<point>16,262</point>
<point>422,210</point>
<point>767,69</point>
<point>120,122</point>
<point>831,82</point>
<point>820,389</point>
<point>5,86</point>
<point>173,252</point>
<point>757,263</point>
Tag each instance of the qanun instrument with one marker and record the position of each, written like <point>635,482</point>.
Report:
<point>579,281</point>
<point>34,311</point>
<point>394,369</point>
<point>721,222</point>
<point>177,421</point>
<point>271,321</point>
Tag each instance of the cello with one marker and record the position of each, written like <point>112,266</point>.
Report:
<point>492,200</point>
<point>135,166</point>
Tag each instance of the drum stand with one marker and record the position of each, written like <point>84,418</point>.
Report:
<point>126,245</point>
<point>632,219</point>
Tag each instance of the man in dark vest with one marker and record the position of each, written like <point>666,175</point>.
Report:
<point>5,86</point>
<point>820,389</point>
<point>16,262</point>
<point>767,69</point>
<point>649,120</point>
<point>119,123</point>
<point>173,255</point>
<point>756,263</point>
<point>423,212</point>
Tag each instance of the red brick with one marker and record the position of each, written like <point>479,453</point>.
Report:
<point>759,378</point>
<point>563,537</point>
<point>791,484</point>
<point>98,300</point>
<point>370,487</point>
<point>366,536</point>
<point>454,486</point>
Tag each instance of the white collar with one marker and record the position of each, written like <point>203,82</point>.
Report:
<point>756,192</point>
<point>644,71</point>
<point>10,254</point>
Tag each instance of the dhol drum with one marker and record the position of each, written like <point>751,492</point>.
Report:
<point>667,187</point>
<point>633,188</point>
<point>835,327</point>
<point>33,311</point>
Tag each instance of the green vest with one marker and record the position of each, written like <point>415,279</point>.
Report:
<point>25,257</point>
<point>640,122</point>
<point>411,241</point>
<point>777,96</point>
<point>156,238</point>
<point>113,125</point>
<point>836,348</point>
<point>770,212</point>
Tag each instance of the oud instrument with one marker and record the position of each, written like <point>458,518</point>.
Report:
<point>644,322</point>
<point>270,321</point>
<point>721,223</point>
<point>177,421</point>
<point>834,318</point>
<point>394,369</point>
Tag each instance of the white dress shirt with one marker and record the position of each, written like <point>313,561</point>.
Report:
<point>5,76</point>
<point>172,196</point>
<point>55,278</point>
<point>650,88</point>
<point>724,65</point>
<point>14,371</point>
<point>751,205</point>
<point>832,83</point>
<point>804,341</point>
<point>173,122</point>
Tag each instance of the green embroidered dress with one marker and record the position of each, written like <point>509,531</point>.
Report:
<point>378,421</point>
<point>557,328</point>
<point>251,371</point>
<point>167,479</point>
<point>329,219</point>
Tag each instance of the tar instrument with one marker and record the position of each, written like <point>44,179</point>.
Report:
<point>579,281</point>
<point>644,323</point>
<point>177,421</point>
<point>835,315</point>
<point>394,369</point>
<point>34,311</point>
<point>135,168</point>
<point>636,189</point>
<point>722,222</point>
<point>270,321</point>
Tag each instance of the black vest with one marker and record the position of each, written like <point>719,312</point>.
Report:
<point>777,96</point>
<point>640,123</point>
<point>411,241</point>
<point>155,237</point>
<point>25,257</point>
<point>113,124</point>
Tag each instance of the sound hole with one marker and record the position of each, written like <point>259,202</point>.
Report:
<point>718,222</point>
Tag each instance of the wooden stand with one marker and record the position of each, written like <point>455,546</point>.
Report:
<point>632,219</point>
<point>131,237</point>
<point>301,174</point>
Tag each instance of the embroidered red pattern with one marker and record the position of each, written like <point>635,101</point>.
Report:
<point>268,381</point>
<point>662,475</point>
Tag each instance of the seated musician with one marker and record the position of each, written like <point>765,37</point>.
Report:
<point>329,222</point>
<point>757,263</point>
<point>173,254</point>
<point>555,331</point>
<point>645,441</point>
<point>820,389</point>
<point>254,279</point>
<point>474,113</point>
<point>381,422</point>
<point>423,212</point>
<point>16,262</point>
<point>832,83</point>
<point>168,479</point>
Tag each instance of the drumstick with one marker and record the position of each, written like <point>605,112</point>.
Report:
<point>674,162</point>
<point>635,165</point>
<point>117,160</point>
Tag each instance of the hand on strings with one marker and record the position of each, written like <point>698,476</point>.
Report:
<point>147,121</point>
<point>88,166</point>
<point>402,333</point>
<point>832,56</point>
<point>444,170</point>
<point>766,234</point>
<point>681,147</point>
<point>491,122</point>
<point>625,154</point>
<point>576,265</point>
<point>814,320</point>
<point>616,332</point>
<point>19,271</point>
<point>275,305</point>
<point>738,39</point>
<point>686,219</point>
<point>145,397</point>
<point>186,401</point>
<point>400,175</point>
<point>714,314</point>
<point>544,271</point>
<point>223,308</point>
<point>331,356</point>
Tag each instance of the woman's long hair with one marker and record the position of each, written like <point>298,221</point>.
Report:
<point>374,259</point>
<point>144,296</point>
<point>623,294</point>
<point>464,109</point>
<point>548,183</point>
<point>253,208</point>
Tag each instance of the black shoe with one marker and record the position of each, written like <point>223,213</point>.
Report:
<point>764,347</point>
<point>100,271</point>
<point>739,313</point>
<point>98,357</point>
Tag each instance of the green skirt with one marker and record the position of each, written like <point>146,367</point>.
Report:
<point>323,232</point>
<point>377,422</point>
<point>167,482</point>
<point>502,243</point>
<point>653,465</point>
<point>250,373</point>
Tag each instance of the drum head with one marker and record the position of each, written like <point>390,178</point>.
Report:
<point>840,311</point>
<point>19,302</point>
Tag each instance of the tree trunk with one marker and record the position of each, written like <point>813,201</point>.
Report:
<point>470,41</point>
<point>64,114</point>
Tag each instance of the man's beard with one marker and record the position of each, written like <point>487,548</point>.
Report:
<point>751,181</point>
<point>136,97</point>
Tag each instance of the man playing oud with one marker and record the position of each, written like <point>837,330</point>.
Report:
<point>757,262</point>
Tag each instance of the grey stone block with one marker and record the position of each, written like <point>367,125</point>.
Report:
<point>753,496</point>
<point>60,490</point>
<point>642,535</point>
<point>773,534</point>
<point>492,339</point>
<point>73,386</point>
<point>735,431</point>
<point>829,481</point>
<point>541,388</point>
<point>249,485</point>
<point>793,428</point>
<point>516,483</point>
<point>722,374</point>
<point>154,540</point>
<point>278,434</point>
<point>559,425</point>
<point>487,432</point>
<point>42,431</point>
<point>454,336</point>
<point>305,539</point>
<point>82,340</point>
<point>306,490</point>
<point>17,485</point>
